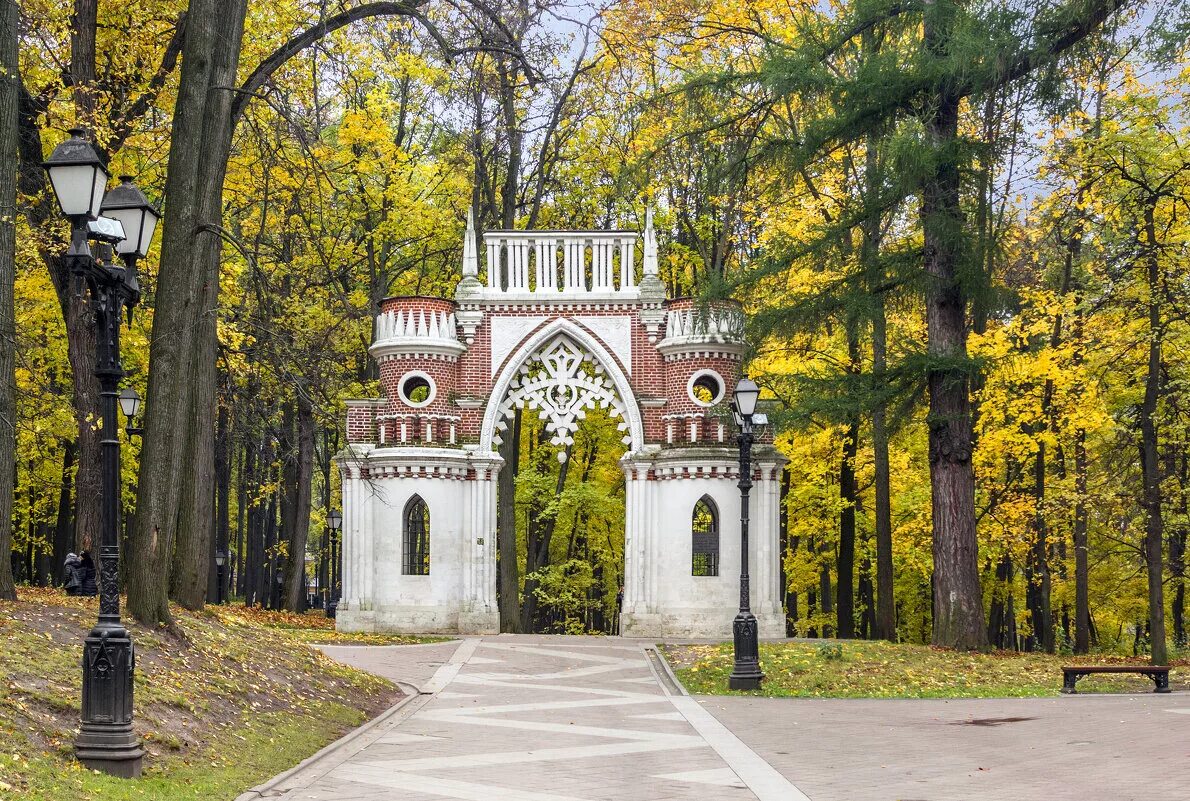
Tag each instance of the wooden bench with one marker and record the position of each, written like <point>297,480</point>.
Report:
<point>1158,673</point>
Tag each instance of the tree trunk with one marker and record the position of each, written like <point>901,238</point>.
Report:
<point>506,536</point>
<point>250,568</point>
<point>9,121</point>
<point>957,595</point>
<point>825,595</point>
<point>217,582</point>
<point>1177,560</point>
<point>1150,467</point>
<point>1082,606</point>
<point>79,319</point>
<point>1037,570</point>
<point>174,317</point>
<point>194,185</point>
<point>195,541</point>
<point>63,526</point>
<point>848,497</point>
<point>885,626</point>
<point>297,525</point>
<point>537,545</point>
<point>885,622</point>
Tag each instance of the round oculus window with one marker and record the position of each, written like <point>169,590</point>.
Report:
<point>417,389</point>
<point>705,388</point>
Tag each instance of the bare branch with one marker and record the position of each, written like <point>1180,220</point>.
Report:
<point>412,10</point>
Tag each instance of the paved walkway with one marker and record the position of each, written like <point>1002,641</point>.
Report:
<point>526,718</point>
<point>534,719</point>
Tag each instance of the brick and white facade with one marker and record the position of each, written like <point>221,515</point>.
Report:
<point>564,321</point>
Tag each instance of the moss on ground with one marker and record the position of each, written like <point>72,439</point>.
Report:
<point>231,698</point>
<point>862,669</point>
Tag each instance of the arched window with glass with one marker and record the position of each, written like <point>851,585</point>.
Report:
<point>705,538</point>
<point>417,538</point>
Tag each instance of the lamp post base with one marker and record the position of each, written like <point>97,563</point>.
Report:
<point>745,674</point>
<point>114,750</point>
<point>106,741</point>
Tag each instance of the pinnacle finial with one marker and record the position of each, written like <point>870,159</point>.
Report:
<point>470,250</point>
<point>650,254</point>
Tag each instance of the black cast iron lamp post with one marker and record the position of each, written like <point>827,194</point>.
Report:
<point>220,561</point>
<point>334,521</point>
<point>745,673</point>
<point>106,741</point>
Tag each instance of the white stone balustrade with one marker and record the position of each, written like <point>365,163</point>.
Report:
<point>562,263</point>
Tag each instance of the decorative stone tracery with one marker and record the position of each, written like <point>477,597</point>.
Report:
<point>562,323</point>
<point>561,382</point>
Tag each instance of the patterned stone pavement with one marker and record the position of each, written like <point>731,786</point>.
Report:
<point>534,719</point>
<point>520,718</point>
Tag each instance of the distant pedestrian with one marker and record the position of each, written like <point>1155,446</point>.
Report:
<point>619,606</point>
<point>86,569</point>
<point>70,574</point>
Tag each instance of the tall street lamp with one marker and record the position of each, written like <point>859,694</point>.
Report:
<point>125,220</point>
<point>745,673</point>
<point>334,521</point>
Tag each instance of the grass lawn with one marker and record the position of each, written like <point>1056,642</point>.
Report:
<point>232,698</point>
<point>313,627</point>
<point>864,669</point>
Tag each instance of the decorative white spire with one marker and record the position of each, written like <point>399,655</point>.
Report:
<point>650,250</point>
<point>470,249</point>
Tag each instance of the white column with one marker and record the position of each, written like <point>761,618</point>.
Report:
<point>653,525</point>
<point>488,514</point>
<point>348,538</point>
<point>366,560</point>
<point>765,543</point>
<point>633,539</point>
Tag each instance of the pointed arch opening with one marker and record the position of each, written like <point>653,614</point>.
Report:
<point>416,524</point>
<point>704,527</point>
<point>549,373</point>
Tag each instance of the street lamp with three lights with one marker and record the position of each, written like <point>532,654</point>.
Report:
<point>126,221</point>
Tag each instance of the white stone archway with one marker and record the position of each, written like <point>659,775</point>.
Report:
<point>610,386</point>
<point>562,325</point>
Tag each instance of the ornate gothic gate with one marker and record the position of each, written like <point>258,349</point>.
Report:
<point>561,325</point>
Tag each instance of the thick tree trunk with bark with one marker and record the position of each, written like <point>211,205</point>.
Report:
<point>196,519</point>
<point>194,187</point>
<point>958,602</point>
<point>1150,467</point>
<point>9,101</point>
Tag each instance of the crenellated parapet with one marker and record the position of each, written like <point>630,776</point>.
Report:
<point>416,327</point>
<point>694,327</point>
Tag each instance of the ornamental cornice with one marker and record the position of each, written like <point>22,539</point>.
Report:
<point>677,349</point>
<point>382,462</point>
<point>417,348</point>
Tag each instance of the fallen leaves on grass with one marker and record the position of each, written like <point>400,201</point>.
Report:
<point>885,670</point>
